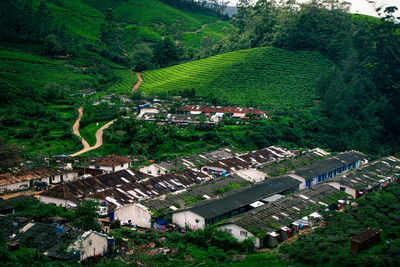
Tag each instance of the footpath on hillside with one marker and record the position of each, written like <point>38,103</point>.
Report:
<point>99,135</point>
<point>137,84</point>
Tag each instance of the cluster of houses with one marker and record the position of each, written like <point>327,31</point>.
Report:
<point>233,191</point>
<point>195,114</point>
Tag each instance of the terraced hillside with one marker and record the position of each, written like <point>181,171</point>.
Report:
<point>147,20</point>
<point>271,77</point>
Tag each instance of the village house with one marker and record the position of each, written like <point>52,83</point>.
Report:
<point>376,174</point>
<point>277,221</point>
<point>249,160</point>
<point>7,205</point>
<point>212,211</point>
<point>57,242</point>
<point>169,203</point>
<point>235,112</point>
<point>27,178</point>
<point>111,163</point>
<point>193,161</point>
<point>321,170</point>
<point>126,201</point>
<point>69,194</point>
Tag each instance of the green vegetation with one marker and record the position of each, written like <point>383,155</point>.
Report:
<point>229,187</point>
<point>376,209</point>
<point>271,77</point>
<point>89,132</point>
<point>208,246</point>
<point>208,35</point>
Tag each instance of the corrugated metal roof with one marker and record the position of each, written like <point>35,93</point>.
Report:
<point>243,196</point>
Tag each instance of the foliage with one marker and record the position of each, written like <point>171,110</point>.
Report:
<point>10,156</point>
<point>229,187</point>
<point>376,209</point>
<point>277,78</point>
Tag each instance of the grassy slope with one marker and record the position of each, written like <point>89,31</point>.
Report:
<point>210,33</point>
<point>268,76</point>
<point>89,132</point>
<point>141,20</point>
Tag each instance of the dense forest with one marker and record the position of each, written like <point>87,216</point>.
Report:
<point>360,98</point>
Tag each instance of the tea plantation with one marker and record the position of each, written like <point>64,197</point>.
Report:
<point>267,76</point>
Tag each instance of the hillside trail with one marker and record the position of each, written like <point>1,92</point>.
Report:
<point>137,84</point>
<point>99,135</point>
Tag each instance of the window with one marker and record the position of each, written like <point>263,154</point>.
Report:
<point>308,183</point>
<point>122,165</point>
<point>97,167</point>
<point>243,233</point>
<point>228,230</point>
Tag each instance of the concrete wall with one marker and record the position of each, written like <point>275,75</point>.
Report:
<point>91,244</point>
<point>57,201</point>
<point>13,187</point>
<point>348,190</point>
<point>153,170</point>
<point>137,213</point>
<point>239,233</point>
<point>184,218</point>
<point>110,169</point>
<point>300,179</point>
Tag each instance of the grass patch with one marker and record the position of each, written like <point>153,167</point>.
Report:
<point>89,132</point>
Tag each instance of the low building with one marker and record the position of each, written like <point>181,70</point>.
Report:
<point>69,194</point>
<point>236,112</point>
<point>193,161</point>
<point>62,243</point>
<point>212,211</point>
<point>376,174</point>
<point>276,221</point>
<point>7,205</point>
<point>111,163</point>
<point>365,239</point>
<point>245,161</point>
<point>167,204</point>
<point>26,178</point>
<point>126,201</point>
<point>324,169</point>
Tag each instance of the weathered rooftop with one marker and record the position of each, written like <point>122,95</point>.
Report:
<point>252,158</point>
<point>365,235</point>
<point>151,187</point>
<point>78,189</point>
<point>10,226</point>
<point>111,161</point>
<point>192,194</point>
<point>6,205</point>
<point>272,216</point>
<point>243,196</point>
<point>329,164</point>
<point>371,174</point>
<point>218,109</point>
<point>30,174</point>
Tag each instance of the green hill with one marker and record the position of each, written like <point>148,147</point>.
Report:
<point>141,20</point>
<point>271,77</point>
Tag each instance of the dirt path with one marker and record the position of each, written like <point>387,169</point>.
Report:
<point>99,135</point>
<point>137,84</point>
<point>75,129</point>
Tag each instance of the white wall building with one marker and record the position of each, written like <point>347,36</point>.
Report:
<point>188,218</point>
<point>90,244</point>
<point>136,213</point>
<point>240,233</point>
<point>111,163</point>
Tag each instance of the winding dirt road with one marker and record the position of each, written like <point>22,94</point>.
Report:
<point>137,84</point>
<point>99,135</point>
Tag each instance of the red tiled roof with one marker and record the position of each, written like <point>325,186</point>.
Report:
<point>112,161</point>
<point>215,109</point>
